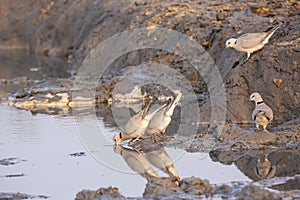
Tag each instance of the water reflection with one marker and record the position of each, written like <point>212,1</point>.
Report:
<point>264,168</point>
<point>143,162</point>
<point>18,63</point>
<point>160,159</point>
<point>261,164</point>
<point>137,161</point>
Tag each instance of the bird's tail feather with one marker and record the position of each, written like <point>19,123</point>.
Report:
<point>172,104</point>
<point>272,30</point>
<point>146,109</point>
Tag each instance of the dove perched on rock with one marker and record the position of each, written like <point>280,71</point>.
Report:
<point>262,113</point>
<point>136,126</point>
<point>137,161</point>
<point>251,42</point>
<point>161,120</point>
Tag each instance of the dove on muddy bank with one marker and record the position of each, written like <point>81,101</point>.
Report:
<point>262,114</point>
<point>251,42</point>
<point>161,120</point>
<point>136,126</point>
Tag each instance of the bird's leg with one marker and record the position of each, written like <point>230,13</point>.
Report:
<point>265,129</point>
<point>248,56</point>
<point>257,127</point>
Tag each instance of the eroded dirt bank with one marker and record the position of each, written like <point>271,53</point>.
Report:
<point>70,29</point>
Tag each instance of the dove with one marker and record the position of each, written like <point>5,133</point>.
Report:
<point>137,161</point>
<point>161,120</point>
<point>251,42</point>
<point>262,114</point>
<point>136,126</point>
<point>161,160</point>
<point>264,169</point>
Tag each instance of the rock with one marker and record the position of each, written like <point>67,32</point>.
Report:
<point>101,193</point>
<point>10,161</point>
<point>161,186</point>
<point>196,186</point>
<point>6,195</point>
<point>257,192</point>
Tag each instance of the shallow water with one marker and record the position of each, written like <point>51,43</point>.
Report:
<point>17,63</point>
<point>43,144</point>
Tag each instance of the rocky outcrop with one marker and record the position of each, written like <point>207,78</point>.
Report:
<point>71,29</point>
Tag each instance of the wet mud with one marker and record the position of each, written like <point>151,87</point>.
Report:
<point>45,84</point>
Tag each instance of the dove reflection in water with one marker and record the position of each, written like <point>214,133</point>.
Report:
<point>161,160</point>
<point>137,161</point>
<point>141,163</point>
<point>264,169</point>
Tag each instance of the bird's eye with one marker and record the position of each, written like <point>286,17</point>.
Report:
<point>228,42</point>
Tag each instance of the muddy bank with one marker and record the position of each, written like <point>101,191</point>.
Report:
<point>13,196</point>
<point>193,188</point>
<point>69,30</point>
<point>49,30</point>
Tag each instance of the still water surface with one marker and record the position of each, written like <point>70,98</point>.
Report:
<point>43,144</point>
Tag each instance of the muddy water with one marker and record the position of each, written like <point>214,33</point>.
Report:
<point>53,159</point>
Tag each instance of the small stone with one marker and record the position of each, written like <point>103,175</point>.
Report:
<point>277,82</point>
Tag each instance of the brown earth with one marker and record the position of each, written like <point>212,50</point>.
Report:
<point>70,29</point>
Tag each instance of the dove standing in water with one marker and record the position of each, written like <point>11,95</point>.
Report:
<point>251,42</point>
<point>160,121</point>
<point>262,113</point>
<point>137,161</point>
<point>136,126</point>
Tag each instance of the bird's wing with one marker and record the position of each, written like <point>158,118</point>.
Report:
<point>156,120</point>
<point>153,113</point>
<point>254,113</point>
<point>138,121</point>
<point>133,125</point>
<point>251,40</point>
<point>269,113</point>
<point>267,110</point>
<point>172,104</point>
